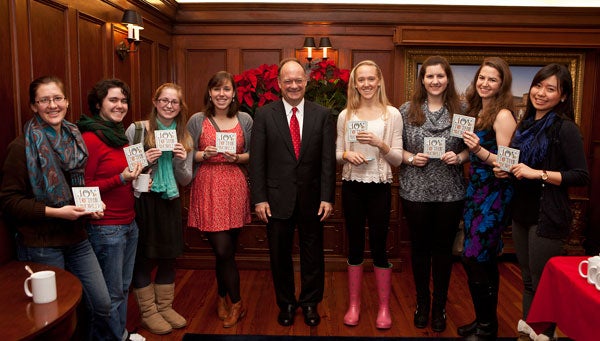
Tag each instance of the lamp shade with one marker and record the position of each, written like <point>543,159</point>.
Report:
<point>309,42</point>
<point>324,42</point>
<point>132,17</point>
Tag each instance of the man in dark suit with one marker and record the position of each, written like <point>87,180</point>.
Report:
<point>292,176</point>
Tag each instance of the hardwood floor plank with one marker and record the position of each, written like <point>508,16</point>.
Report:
<point>196,292</point>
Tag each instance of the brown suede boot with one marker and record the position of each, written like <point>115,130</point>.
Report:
<point>151,319</point>
<point>237,312</point>
<point>165,293</point>
<point>222,307</point>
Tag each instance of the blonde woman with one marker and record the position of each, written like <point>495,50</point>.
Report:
<point>367,181</point>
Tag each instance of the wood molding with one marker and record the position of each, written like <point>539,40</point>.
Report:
<point>497,36</point>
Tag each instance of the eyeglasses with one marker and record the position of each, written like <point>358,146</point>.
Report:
<point>166,101</point>
<point>47,100</point>
<point>291,81</point>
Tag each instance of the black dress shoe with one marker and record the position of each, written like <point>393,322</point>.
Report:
<point>311,315</point>
<point>286,315</point>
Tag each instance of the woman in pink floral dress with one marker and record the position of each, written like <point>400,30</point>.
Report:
<point>219,199</point>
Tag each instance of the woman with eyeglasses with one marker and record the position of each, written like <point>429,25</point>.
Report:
<point>114,237</point>
<point>158,210</point>
<point>40,168</point>
<point>219,196</point>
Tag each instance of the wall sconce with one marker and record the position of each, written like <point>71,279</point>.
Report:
<point>325,44</point>
<point>134,23</point>
<point>309,43</point>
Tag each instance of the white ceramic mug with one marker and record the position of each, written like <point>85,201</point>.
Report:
<point>593,268</point>
<point>43,286</point>
<point>141,183</point>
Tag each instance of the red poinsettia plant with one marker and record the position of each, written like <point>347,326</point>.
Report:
<point>257,87</point>
<point>327,85</point>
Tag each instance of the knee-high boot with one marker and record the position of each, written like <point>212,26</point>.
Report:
<point>355,276</point>
<point>483,284</point>
<point>383,278</point>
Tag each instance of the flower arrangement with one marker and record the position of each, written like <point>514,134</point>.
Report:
<point>327,85</point>
<point>257,87</point>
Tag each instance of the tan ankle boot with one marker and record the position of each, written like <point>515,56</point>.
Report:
<point>237,312</point>
<point>151,319</point>
<point>165,293</point>
<point>222,307</point>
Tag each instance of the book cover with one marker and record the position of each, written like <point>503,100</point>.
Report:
<point>88,198</point>
<point>460,124</point>
<point>507,157</point>
<point>225,142</point>
<point>355,127</point>
<point>135,155</point>
<point>165,139</point>
<point>435,147</point>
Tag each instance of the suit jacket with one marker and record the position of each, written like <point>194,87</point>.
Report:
<point>276,176</point>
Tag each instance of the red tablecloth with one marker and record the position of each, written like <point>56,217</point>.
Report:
<point>566,298</point>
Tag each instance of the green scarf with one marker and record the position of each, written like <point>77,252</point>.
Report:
<point>111,133</point>
<point>164,179</point>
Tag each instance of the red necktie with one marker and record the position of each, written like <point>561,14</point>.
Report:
<point>295,132</point>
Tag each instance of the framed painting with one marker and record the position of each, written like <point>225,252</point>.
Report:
<point>523,64</point>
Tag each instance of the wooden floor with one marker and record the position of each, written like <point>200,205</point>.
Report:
<point>196,291</point>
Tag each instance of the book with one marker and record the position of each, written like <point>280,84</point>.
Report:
<point>353,128</point>
<point>165,139</point>
<point>460,124</point>
<point>507,157</point>
<point>88,198</point>
<point>435,147</point>
<point>135,155</point>
<point>225,142</point>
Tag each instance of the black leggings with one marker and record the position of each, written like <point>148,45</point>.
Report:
<point>224,244</point>
<point>142,271</point>
<point>364,202</point>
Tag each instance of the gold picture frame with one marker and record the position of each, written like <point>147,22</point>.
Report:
<point>573,60</point>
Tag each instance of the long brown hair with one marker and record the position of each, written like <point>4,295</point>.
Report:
<point>503,99</point>
<point>450,97</point>
<point>183,136</point>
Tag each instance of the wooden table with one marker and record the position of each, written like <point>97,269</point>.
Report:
<point>567,299</point>
<point>21,319</point>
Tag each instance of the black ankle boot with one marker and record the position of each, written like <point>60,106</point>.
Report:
<point>467,329</point>
<point>421,315</point>
<point>484,332</point>
<point>438,319</point>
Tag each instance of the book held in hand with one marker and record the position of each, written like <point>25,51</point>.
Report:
<point>435,147</point>
<point>507,157</point>
<point>135,155</point>
<point>225,142</point>
<point>460,124</point>
<point>165,139</point>
<point>88,198</point>
<point>355,127</point>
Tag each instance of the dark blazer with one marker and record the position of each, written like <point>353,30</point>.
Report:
<point>276,176</point>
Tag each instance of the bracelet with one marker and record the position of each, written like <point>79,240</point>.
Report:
<point>477,151</point>
<point>488,156</point>
<point>237,158</point>
<point>459,159</point>
<point>344,156</point>
<point>203,155</point>
<point>122,178</point>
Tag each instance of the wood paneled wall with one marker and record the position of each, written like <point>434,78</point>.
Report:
<point>76,40</point>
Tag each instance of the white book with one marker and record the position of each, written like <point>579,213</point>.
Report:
<point>225,142</point>
<point>135,155</point>
<point>88,198</point>
<point>460,124</point>
<point>165,139</point>
<point>435,147</point>
<point>355,127</point>
<point>507,157</point>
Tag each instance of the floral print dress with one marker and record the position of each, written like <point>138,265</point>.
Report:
<point>486,205</point>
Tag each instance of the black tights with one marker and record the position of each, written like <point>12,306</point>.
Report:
<point>142,271</point>
<point>228,277</point>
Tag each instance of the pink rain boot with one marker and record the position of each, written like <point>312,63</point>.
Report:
<point>355,275</point>
<point>383,278</point>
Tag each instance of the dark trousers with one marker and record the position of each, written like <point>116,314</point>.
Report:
<point>362,203</point>
<point>312,262</point>
<point>432,226</point>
